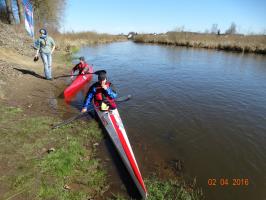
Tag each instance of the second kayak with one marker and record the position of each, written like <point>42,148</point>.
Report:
<point>77,84</point>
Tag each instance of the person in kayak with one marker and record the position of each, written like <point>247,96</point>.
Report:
<point>45,45</point>
<point>103,93</point>
<point>82,67</point>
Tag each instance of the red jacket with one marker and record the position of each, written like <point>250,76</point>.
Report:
<point>82,67</point>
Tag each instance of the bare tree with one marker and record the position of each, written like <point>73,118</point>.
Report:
<point>3,12</point>
<point>231,29</point>
<point>48,13</point>
<point>214,29</point>
<point>179,28</point>
<point>10,16</point>
<point>20,11</point>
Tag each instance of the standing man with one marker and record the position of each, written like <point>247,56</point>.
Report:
<point>45,45</point>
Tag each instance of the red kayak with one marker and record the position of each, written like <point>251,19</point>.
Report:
<point>77,84</point>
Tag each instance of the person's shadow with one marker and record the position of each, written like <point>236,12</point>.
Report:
<point>25,71</point>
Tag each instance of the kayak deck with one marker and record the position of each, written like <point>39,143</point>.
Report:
<point>115,128</point>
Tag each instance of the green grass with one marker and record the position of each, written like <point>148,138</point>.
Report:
<point>32,173</point>
<point>171,189</point>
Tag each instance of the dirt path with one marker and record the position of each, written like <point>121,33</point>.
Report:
<point>22,81</point>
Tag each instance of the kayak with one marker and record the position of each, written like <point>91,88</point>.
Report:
<point>115,128</point>
<point>77,84</point>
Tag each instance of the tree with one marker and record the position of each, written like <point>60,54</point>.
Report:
<point>9,11</point>
<point>20,11</point>
<point>214,29</point>
<point>231,29</point>
<point>48,13</point>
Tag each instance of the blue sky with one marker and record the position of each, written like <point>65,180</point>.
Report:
<point>123,16</point>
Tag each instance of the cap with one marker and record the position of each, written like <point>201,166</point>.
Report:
<point>43,31</point>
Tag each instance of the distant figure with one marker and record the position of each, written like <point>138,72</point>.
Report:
<point>218,32</point>
<point>45,45</point>
<point>82,67</point>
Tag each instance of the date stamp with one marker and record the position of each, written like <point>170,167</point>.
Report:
<point>236,182</point>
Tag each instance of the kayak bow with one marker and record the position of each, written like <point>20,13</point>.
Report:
<point>115,128</point>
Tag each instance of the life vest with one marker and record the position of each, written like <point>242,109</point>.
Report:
<point>81,67</point>
<point>102,96</point>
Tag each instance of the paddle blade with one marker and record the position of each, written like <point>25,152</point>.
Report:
<point>124,98</point>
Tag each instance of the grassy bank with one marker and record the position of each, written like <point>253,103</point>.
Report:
<point>40,163</point>
<point>238,43</point>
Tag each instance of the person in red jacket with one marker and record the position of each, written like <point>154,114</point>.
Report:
<point>82,67</point>
<point>103,94</point>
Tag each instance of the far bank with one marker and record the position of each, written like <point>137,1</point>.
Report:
<point>227,42</point>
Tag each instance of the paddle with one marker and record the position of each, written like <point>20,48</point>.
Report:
<point>96,72</point>
<point>80,115</point>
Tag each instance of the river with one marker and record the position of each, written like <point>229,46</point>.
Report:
<point>205,108</point>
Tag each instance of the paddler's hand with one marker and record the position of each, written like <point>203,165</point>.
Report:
<point>84,110</point>
<point>104,86</point>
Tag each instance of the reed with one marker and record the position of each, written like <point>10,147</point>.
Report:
<point>66,41</point>
<point>227,42</point>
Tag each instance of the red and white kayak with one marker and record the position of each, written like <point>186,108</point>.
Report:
<point>115,128</point>
<point>77,84</point>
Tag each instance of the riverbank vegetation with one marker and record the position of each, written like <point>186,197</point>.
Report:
<point>12,13</point>
<point>227,42</point>
<point>77,39</point>
<point>40,163</point>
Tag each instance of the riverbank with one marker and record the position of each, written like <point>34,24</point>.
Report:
<point>38,162</point>
<point>238,43</point>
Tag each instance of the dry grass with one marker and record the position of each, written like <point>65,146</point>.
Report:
<point>64,41</point>
<point>67,40</point>
<point>239,43</point>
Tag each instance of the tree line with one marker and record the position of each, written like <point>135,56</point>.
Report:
<point>47,13</point>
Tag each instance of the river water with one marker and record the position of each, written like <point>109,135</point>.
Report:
<point>205,108</point>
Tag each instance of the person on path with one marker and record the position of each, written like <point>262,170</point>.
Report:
<point>45,46</point>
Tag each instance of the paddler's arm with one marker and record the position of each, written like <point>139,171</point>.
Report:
<point>74,68</point>
<point>86,69</point>
<point>73,71</point>
<point>111,91</point>
<point>88,99</point>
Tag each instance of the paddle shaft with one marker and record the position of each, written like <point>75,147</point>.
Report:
<point>96,72</point>
<point>81,115</point>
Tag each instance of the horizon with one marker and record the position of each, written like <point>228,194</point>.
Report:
<point>118,16</point>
